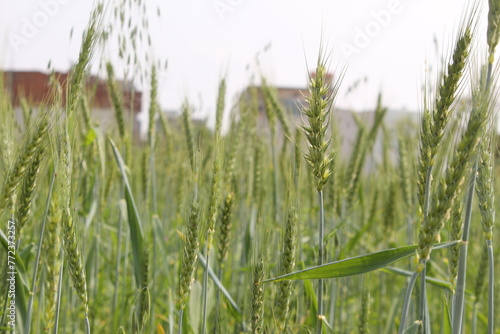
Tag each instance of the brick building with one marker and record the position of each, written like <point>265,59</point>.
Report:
<point>34,88</point>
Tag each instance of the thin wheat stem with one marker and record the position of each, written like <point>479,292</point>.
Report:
<point>217,302</point>
<point>474,318</point>
<point>489,241</point>
<point>319,326</point>
<point>423,297</point>
<point>423,292</point>
<point>87,325</point>
<point>204,293</point>
<point>117,272</point>
<point>181,315</point>
<point>59,295</point>
<point>275,175</point>
<point>406,303</point>
<point>491,287</point>
<point>27,325</point>
<point>459,300</point>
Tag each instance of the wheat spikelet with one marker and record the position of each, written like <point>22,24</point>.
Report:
<point>5,148</point>
<point>225,227</point>
<point>354,164</point>
<point>433,126</point>
<point>256,193</point>
<point>219,113</point>
<point>190,255</point>
<point>451,187</point>
<point>213,201</point>
<point>52,249</point>
<point>72,252</point>
<point>484,187</point>
<point>234,148</point>
<point>28,187</point>
<point>425,158</point>
<point>363,315</point>
<point>153,107</point>
<point>258,298</point>
<point>493,32</point>
<point>116,100</point>
<point>34,142</point>
<point>186,121</point>
<point>391,214</point>
<point>145,173</point>
<point>74,259</point>
<point>90,39</point>
<point>216,168</point>
<point>404,168</point>
<point>297,156</point>
<point>275,108</point>
<point>288,264</point>
<point>317,113</point>
<point>456,224</point>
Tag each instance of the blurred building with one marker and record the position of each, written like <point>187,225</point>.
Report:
<point>33,89</point>
<point>293,99</point>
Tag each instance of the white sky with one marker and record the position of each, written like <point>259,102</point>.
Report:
<point>201,45</point>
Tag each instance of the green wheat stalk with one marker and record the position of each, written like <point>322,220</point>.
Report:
<point>318,158</point>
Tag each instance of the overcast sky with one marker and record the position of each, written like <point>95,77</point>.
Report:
<point>386,45</point>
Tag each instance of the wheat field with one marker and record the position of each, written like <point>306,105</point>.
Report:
<point>263,228</point>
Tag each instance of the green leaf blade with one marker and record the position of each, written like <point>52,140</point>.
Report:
<point>356,265</point>
<point>134,221</point>
<point>352,266</point>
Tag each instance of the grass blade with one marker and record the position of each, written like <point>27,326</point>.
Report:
<point>219,284</point>
<point>446,318</point>
<point>134,221</point>
<point>431,280</point>
<point>356,265</point>
<point>413,329</point>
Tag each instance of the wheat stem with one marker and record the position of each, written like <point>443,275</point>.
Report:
<point>459,298</point>
<point>27,324</point>
<point>321,233</point>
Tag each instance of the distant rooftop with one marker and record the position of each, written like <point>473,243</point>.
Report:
<point>34,87</point>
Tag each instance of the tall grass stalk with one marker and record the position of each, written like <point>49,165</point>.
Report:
<point>189,259</point>
<point>69,233</point>
<point>186,122</point>
<point>52,248</point>
<point>432,130</point>
<point>485,192</point>
<point>288,264</point>
<point>224,234</point>
<point>459,297</point>
<point>214,194</point>
<point>481,279</point>
<point>318,158</point>
<point>487,164</point>
<point>145,307</point>
<point>90,39</point>
<point>271,111</point>
<point>116,100</point>
<point>258,298</point>
<point>481,101</point>
<point>27,324</point>
<point>59,294</point>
